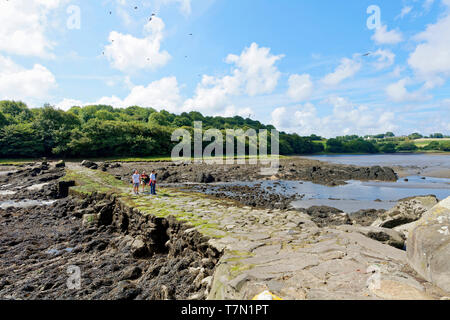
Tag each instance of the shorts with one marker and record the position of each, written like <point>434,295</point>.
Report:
<point>136,185</point>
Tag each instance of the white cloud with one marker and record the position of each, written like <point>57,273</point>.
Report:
<point>347,69</point>
<point>385,59</point>
<point>300,87</point>
<point>382,36</point>
<point>399,93</point>
<point>257,68</point>
<point>232,111</point>
<point>160,94</point>
<point>255,74</point>
<point>432,56</point>
<point>17,82</point>
<point>66,104</point>
<point>213,94</point>
<point>405,11</point>
<point>345,119</point>
<point>128,53</point>
<point>24,25</point>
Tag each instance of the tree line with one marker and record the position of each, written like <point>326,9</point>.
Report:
<point>104,131</point>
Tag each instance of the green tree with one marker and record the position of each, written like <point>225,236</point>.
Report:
<point>52,128</point>
<point>415,136</point>
<point>407,146</point>
<point>388,148</point>
<point>20,140</point>
<point>105,115</point>
<point>334,146</point>
<point>433,145</point>
<point>444,146</point>
<point>3,120</point>
<point>17,111</point>
<point>360,146</point>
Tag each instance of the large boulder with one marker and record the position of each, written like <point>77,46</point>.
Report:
<point>428,245</point>
<point>328,216</point>
<point>89,164</point>
<point>204,178</point>
<point>60,164</point>
<point>63,188</point>
<point>405,211</point>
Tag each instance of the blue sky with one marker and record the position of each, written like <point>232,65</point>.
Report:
<point>299,65</point>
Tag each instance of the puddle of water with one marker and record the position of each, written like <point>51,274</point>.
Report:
<point>52,251</point>
<point>56,251</point>
<point>4,173</point>
<point>7,192</point>
<point>37,187</point>
<point>25,203</point>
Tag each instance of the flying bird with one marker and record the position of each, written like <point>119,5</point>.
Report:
<point>366,54</point>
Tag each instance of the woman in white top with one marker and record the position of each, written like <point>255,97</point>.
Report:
<point>136,179</point>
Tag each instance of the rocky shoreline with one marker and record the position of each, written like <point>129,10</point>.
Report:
<point>121,254</point>
<point>293,168</point>
<point>188,246</point>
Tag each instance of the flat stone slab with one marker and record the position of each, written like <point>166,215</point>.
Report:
<point>283,251</point>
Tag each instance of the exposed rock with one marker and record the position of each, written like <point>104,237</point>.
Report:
<point>60,164</point>
<point>204,178</point>
<point>327,216</point>
<point>365,217</point>
<point>131,273</point>
<point>428,246</point>
<point>293,169</point>
<point>405,229</point>
<point>406,211</point>
<point>63,188</point>
<point>125,291</point>
<point>139,248</point>
<point>89,164</point>
<point>384,235</point>
<point>89,220</point>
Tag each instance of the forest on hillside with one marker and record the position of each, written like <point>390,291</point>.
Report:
<point>104,131</point>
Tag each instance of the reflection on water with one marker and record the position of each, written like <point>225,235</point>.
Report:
<point>398,159</point>
<point>355,195</point>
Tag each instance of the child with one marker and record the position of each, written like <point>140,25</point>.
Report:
<point>145,179</point>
